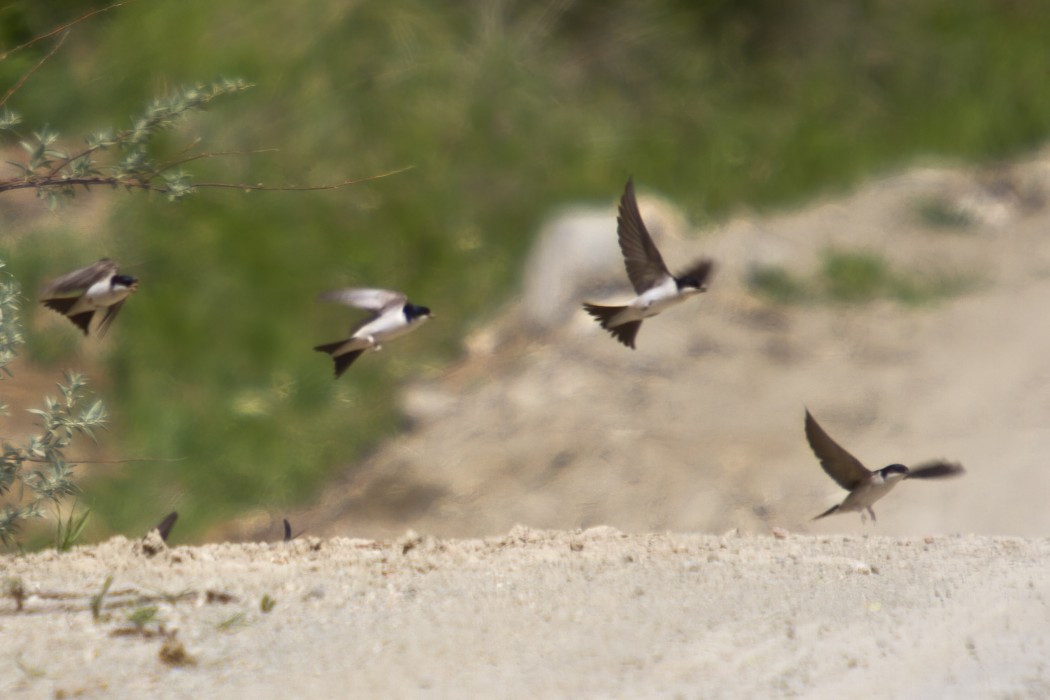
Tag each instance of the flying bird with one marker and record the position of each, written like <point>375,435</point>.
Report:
<point>391,316</point>
<point>91,290</point>
<point>656,287</point>
<point>865,486</point>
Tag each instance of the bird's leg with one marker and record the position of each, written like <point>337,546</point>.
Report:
<point>872,513</point>
<point>374,343</point>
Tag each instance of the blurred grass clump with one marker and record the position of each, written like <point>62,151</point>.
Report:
<point>855,277</point>
<point>506,109</point>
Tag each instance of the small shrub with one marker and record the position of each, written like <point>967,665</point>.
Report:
<point>38,465</point>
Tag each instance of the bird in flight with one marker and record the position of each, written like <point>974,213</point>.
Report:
<point>865,486</point>
<point>656,287</point>
<point>91,290</point>
<point>391,316</point>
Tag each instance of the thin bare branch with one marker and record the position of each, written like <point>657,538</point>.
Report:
<point>25,76</point>
<point>296,188</point>
<point>38,183</point>
<point>62,28</point>
<point>216,154</point>
<point>111,461</point>
<point>43,182</point>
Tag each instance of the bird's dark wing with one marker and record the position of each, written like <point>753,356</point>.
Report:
<point>111,313</point>
<point>79,280</point>
<point>645,267</point>
<point>840,465</point>
<point>165,525</point>
<point>936,469</point>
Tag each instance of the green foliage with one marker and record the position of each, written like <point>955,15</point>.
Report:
<point>38,465</point>
<point>68,531</point>
<point>52,172</point>
<point>507,109</point>
<point>10,324</point>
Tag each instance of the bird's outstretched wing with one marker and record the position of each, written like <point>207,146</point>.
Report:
<point>645,267</point>
<point>79,280</point>
<point>107,320</point>
<point>375,300</point>
<point>936,469</point>
<point>840,465</point>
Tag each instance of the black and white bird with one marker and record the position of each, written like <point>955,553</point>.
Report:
<point>865,486</point>
<point>91,290</point>
<point>656,287</point>
<point>391,316</point>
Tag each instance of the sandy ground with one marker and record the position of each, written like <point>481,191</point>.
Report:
<point>556,426</point>
<point>592,613</point>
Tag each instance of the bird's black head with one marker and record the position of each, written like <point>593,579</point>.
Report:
<point>690,282</point>
<point>894,469</point>
<point>124,281</point>
<point>412,312</point>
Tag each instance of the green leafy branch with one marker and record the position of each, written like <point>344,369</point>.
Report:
<point>114,158</point>
<point>38,466</point>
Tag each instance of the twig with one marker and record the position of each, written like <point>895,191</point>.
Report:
<point>109,461</point>
<point>147,185</point>
<point>63,27</point>
<point>296,188</point>
<point>217,154</point>
<point>25,76</point>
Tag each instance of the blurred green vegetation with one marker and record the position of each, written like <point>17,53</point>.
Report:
<point>505,109</point>
<point>855,277</point>
<point>938,214</point>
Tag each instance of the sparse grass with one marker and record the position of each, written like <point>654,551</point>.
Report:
<point>69,530</point>
<point>777,284</point>
<point>238,619</point>
<point>855,278</point>
<point>99,599</point>
<point>142,616</point>
<point>937,213</point>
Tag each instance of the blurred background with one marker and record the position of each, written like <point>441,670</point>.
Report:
<point>507,112</point>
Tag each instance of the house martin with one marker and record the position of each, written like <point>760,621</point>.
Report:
<point>865,486</point>
<point>391,316</point>
<point>91,290</point>
<point>656,287</point>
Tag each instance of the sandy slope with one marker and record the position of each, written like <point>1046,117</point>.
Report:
<point>700,429</point>
<point>592,613</point>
